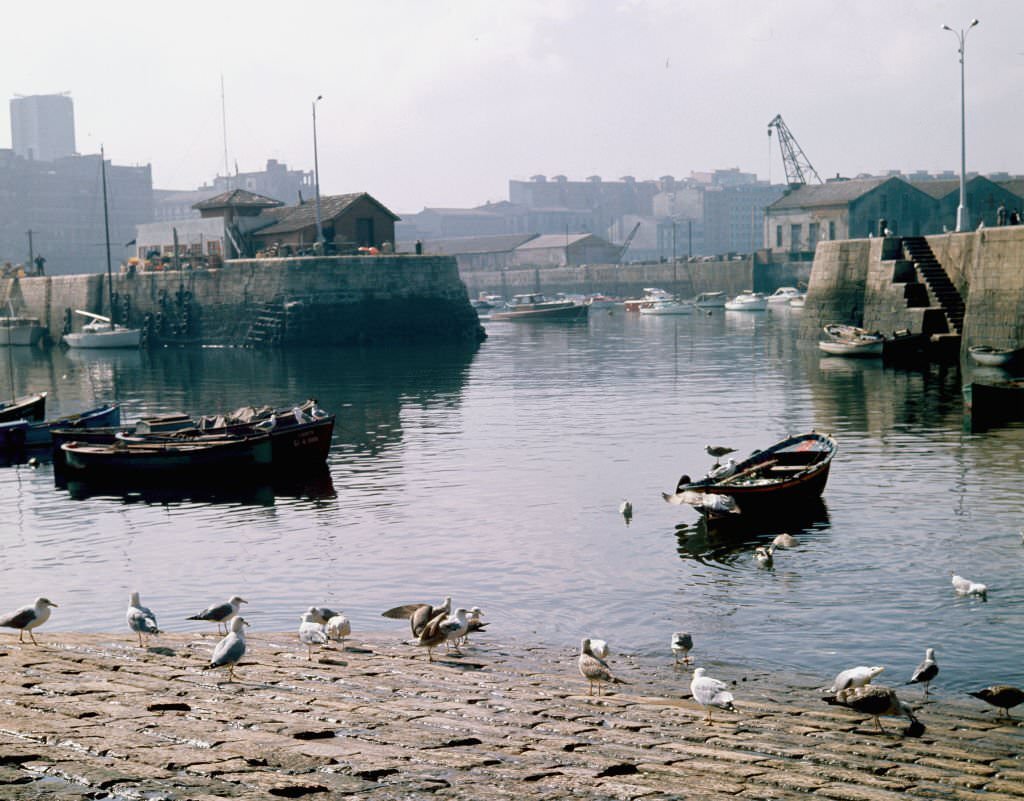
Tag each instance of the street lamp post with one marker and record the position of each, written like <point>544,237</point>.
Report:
<point>961,210</point>
<point>316,181</point>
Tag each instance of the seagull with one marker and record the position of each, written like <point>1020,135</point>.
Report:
<point>140,618</point>
<point>854,677</point>
<point>599,648</point>
<point>594,669</point>
<point>709,692</point>
<point>681,644</point>
<point>28,617</point>
<point>440,628</point>
<point>321,614</point>
<point>875,700</point>
<point>221,613</point>
<point>311,633</point>
<point>231,649</point>
<point>722,471</point>
<point>763,555</point>
<point>718,451</point>
<point>965,587</point>
<point>418,614</point>
<point>626,510</point>
<point>785,541</point>
<point>338,627</point>
<point>926,671</point>
<point>1002,696</point>
<point>475,623</point>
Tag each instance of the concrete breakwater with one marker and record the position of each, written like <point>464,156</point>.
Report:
<point>88,716</point>
<point>294,301</point>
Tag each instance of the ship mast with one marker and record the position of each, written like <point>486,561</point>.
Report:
<point>106,234</point>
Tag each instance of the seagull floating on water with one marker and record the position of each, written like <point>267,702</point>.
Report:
<point>338,627</point>
<point>854,677</point>
<point>221,614</point>
<point>27,618</point>
<point>140,618</point>
<point>594,669</point>
<point>966,587</point>
<point>876,701</point>
<point>1002,696</point>
<point>926,671</point>
<point>681,643</point>
<point>311,633</point>
<point>785,540</point>
<point>763,555</point>
<point>709,693</point>
<point>231,649</point>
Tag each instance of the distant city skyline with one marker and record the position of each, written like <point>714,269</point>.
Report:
<point>441,104</point>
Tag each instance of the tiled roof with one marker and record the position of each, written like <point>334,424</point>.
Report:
<point>238,198</point>
<point>295,218</point>
<point>833,193</point>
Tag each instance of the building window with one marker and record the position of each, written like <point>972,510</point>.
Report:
<point>831,229</point>
<point>795,237</point>
<point>778,236</point>
<point>812,234</point>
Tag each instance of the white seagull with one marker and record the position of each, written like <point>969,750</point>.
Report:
<point>140,618</point>
<point>965,587</point>
<point>221,614</point>
<point>854,677</point>
<point>231,649</point>
<point>338,628</point>
<point>926,671</point>
<point>681,644</point>
<point>321,614</point>
<point>785,540</point>
<point>599,648</point>
<point>311,633</point>
<point>722,471</point>
<point>28,617</point>
<point>709,692</point>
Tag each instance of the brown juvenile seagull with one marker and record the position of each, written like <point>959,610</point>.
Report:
<point>418,615</point>
<point>594,669</point>
<point>440,629</point>
<point>1001,696</point>
<point>876,701</point>
<point>27,618</point>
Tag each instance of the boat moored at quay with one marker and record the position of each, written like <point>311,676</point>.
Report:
<point>534,306</point>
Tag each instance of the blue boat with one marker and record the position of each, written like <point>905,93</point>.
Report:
<point>18,434</point>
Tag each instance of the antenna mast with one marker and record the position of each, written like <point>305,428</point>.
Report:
<point>224,128</point>
<point>798,167</point>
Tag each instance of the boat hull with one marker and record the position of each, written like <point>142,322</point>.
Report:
<point>121,338</point>
<point>751,303</point>
<point>710,300</point>
<point>20,332</point>
<point>851,349</point>
<point>569,312</point>
<point>212,459</point>
<point>40,435</point>
<point>29,407</point>
<point>993,357</point>
<point>994,403</point>
<point>667,309</point>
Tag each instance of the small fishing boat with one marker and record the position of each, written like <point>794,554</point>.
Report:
<point>994,357</point>
<point>792,471</point>
<point>207,458</point>
<point>20,331</point>
<point>28,407</point>
<point>660,307</point>
<point>849,340</point>
<point>992,403</point>
<point>747,301</point>
<point>25,434</point>
<point>710,300</point>
<point>534,306</point>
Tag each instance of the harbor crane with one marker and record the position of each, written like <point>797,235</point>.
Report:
<point>798,168</point>
<point>628,242</point>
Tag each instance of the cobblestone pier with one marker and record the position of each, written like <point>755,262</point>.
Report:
<point>95,716</point>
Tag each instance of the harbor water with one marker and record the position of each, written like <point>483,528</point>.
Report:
<point>495,474</point>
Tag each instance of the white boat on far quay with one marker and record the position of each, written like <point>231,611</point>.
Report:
<point>747,301</point>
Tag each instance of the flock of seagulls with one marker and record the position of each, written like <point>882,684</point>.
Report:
<point>433,626</point>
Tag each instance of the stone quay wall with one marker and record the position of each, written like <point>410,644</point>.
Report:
<point>682,278</point>
<point>309,300</point>
<point>865,282</point>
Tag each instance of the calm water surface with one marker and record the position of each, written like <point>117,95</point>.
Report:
<point>495,476</point>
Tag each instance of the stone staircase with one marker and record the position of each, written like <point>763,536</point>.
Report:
<point>268,326</point>
<point>941,288</point>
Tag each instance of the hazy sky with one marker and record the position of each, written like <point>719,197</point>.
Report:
<point>431,103</point>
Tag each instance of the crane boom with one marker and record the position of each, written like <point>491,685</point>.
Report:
<point>628,242</point>
<point>798,167</point>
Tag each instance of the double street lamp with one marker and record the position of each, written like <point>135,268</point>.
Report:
<point>961,210</point>
<point>316,181</point>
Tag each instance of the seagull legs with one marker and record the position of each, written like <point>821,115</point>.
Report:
<point>33,636</point>
<point>140,638</point>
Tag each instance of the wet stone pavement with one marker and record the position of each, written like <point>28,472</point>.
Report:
<point>95,716</point>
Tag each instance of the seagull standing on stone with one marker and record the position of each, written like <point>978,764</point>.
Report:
<point>718,451</point>
<point>681,644</point>
<point>418,615</point>
<point>140,618</point>
<point>966,587</point>
<point>475,623</point>
<point>876,701</point>
<point>594,669</point>
<point>926,671</point>
<point>709,693</point>
<point>854,677</point>
<point>311,633</point>
<point>1001,696</point>
<point>441,629</point>
<point>321,614</point>
<point>231,649</point>
<point>338,628</point>
<point>28,617</point>
<point>221,614</point>
<point>599,648</point>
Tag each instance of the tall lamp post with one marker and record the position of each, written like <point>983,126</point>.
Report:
<point>316,181</point>
<point>961,210</point>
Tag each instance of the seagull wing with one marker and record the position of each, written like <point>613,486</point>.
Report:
<point>403,612</point>
<point>19,618</point>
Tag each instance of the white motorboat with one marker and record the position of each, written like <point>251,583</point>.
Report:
<point>747,301</point>
<point>849,340</point>
<point>797,302</point>
<point>710,300</point>
<point>20,331</point>
<point>785,294</point>
<point>102,333</point>
<point>668,307</point>
<point>602,302</point>
<point>651,294</point>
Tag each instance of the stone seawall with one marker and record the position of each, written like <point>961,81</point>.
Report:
<point>870,283</point>
<point>312,300</point>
